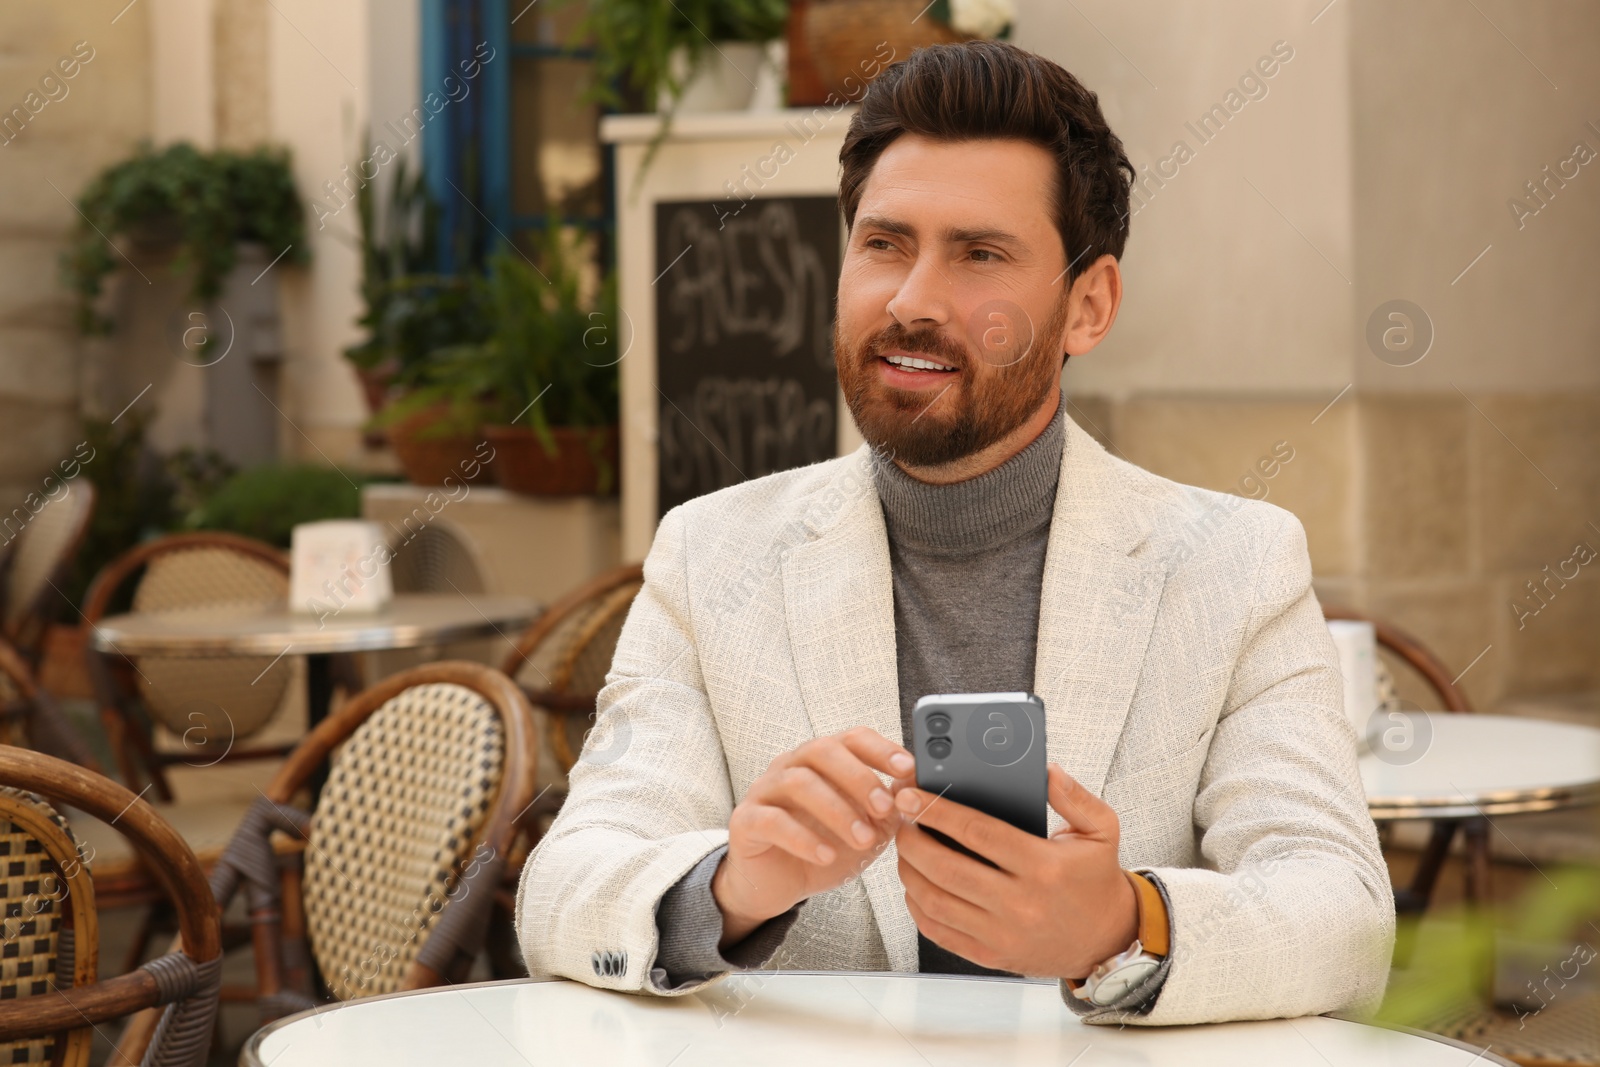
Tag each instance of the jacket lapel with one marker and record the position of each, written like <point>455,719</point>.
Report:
<point>839,605</point>
<point>1096,610</point>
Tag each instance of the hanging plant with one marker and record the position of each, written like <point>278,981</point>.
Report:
<point>634,40</point>
<point>204,203</point>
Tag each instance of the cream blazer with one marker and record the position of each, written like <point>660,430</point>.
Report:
<point>1187,677</point>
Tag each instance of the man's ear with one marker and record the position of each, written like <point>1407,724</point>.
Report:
<point>1093,301</point>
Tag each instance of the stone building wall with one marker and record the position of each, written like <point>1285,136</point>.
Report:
<point>55,133</point>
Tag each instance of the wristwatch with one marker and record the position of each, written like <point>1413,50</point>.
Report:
<point>1113,978</point>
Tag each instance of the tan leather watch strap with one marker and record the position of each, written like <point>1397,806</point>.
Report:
<point>1154,927</point>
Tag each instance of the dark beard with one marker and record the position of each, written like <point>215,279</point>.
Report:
<point>918,433</point>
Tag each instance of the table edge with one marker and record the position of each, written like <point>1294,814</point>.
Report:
<point>1502,802</point>
<point>105,639</point>
<point>1466,1046</point>
<point>249,1057</point>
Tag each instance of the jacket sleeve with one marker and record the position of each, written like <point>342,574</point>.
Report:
<point>648,799</point>
<point>1291,912</point>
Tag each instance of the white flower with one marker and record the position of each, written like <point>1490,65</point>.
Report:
<point>981,18</point>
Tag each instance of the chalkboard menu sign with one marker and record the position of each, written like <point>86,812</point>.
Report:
<point>744,340</point>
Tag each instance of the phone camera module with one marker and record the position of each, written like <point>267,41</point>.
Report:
<point>938,747</point>
<point>938,723</point>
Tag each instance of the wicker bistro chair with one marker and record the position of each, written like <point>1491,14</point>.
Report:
<point>39,557</point>
<point>225,698</point>
<point>410,837</point>
<point>1414,899</point>
<point>560,661</point>
<point>562,658</point>
<point>30,717</point>
<point>51,933</point>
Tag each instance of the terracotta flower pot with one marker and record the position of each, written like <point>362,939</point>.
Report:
<point>847,39</point>
<point>522,465</point>
<point>377,389</point>
<point>428,459</point>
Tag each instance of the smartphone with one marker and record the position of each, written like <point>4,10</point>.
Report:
<point>984,750</point>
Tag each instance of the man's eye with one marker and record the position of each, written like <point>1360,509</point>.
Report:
<point>878,243</point>
<point>983,255</point>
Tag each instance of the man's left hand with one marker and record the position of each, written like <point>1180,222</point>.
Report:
<point>1055,908</point>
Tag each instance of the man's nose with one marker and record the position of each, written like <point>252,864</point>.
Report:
<point>924,297</point>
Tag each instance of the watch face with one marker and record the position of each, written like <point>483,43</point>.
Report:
<point>1118,982</point>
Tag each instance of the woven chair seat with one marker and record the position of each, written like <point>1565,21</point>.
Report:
<point>409,789</point>
<point>34,945</point>
<point>224,696</point>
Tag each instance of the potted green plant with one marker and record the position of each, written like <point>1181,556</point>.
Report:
<point>688,55</point>
<point>541,387</point>
<point>693,54</point>
<point>203,205</point>
<point>410,314</point>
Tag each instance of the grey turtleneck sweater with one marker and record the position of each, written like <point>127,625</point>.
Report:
<point>967,561</point>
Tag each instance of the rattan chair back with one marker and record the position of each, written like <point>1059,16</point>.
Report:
<point>435,559</point>
<point>430,771</point>
<point>224,696</point>
<point>562,658</point>
<point>39,556</point>
<point>47,899</point>
<point>406,794</point>
<point>1415,655</point>
<point>50,931</point>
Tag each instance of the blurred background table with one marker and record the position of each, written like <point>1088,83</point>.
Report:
<point>1462,770</point>
<point>410,621</point>
<point>1459,766</point>
<point>777,1018</point>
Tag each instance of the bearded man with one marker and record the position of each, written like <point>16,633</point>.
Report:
<point>1209,857</point>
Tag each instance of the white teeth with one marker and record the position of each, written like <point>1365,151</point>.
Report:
<point>912,363</point>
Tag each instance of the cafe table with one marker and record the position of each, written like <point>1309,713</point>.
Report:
<point>780,1018</point>
<point>411,620</point>
<point>1465,771</point>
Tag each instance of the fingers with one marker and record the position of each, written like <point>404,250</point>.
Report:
<point>829,787</point>
<point>878,752</point>
<point>1086,814</point>
<point>823,778</point>
<point>939,864</point>
<point>940,906</point>
<point>841,764</point>
<point>805,791</point>
<point>770,826</point>
<point>995,839</point>
<point>947,937</point>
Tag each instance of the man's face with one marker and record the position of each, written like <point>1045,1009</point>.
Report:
<point>952,297</point>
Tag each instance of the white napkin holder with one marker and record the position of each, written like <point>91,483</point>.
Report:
<point>339,565</point>
<point>1357,643</point>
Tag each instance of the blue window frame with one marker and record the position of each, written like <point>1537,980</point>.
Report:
<point>484,156</point>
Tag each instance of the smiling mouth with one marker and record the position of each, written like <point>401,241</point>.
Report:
<point>916,364</point>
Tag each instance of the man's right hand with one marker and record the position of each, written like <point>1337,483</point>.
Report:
<point>814,820</point>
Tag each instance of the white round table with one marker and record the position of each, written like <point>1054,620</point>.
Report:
<point>1444,765</point>
<point>805,1019</point>
<point>409,621</point>
<point>1462,769</point>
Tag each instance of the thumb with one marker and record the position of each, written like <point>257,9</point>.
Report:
<point>1086,814</point>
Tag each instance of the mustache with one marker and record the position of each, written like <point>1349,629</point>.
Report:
<point>928,341</point>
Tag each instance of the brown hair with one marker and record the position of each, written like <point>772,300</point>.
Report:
<point>982,90</point>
